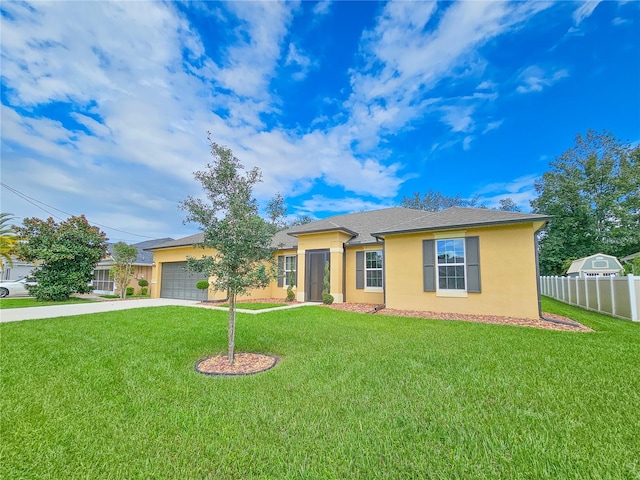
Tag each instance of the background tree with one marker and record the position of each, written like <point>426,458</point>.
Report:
<point>8,239</point>
<point>593,192</point>
<point>277,211</point>
<point>433,201</point>
<point>508,205</point>
<point>232,227</point>
<point>66,252</point>
<point>124,257</point>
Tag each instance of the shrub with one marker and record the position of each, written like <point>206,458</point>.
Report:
<point>144,290</point>
<point>143,283</point>
<point>290,294</point>
<point>327,298</point>
<point>202,285</point>
<point>129,291</point>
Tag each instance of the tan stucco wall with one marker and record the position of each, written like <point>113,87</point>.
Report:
<point>352,294</point>
<point>334,241</point>
<point>180,254</point>
<point>507,266</point>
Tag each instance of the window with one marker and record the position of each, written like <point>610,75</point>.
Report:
<point>450,255</point>
<point>451,266</point>
<point>373,269</point>
<point>290,262</point>
<point>102,280</point>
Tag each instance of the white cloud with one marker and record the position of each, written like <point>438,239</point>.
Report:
<point>404,61</point>
<point>521,190</point>
<point>584,10</point>
<point>322,7</point>
<point>535,79</point>
<point>320,203</point>
<point>299,60</point>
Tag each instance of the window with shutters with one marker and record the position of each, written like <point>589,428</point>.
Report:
<point>451,266</point>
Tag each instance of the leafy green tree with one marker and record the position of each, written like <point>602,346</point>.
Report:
<point>232,227</point>
<point>124,257</point>
<point>8,239</point>
<point>593,192</point>
<point>66,252</point>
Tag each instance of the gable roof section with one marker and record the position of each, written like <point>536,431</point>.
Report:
<point>460,217</point>
<point>360,225</point>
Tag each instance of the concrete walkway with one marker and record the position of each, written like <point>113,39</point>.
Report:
<point>34,313</point>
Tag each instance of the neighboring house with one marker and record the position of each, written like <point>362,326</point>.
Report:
<point>461,260</point>
<point>598,265</point>
<point>142,267</point>
<point>17,271</point>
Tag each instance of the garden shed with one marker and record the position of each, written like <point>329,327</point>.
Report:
<point>598,265</point>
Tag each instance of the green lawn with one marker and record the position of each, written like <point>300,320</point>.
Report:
<point>254,305</point>
<point>32,302</point>
<point>115,395</point>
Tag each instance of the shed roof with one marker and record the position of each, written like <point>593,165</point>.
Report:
<point>585,264</point>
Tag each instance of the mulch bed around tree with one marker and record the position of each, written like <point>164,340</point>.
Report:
<point>243,364</point>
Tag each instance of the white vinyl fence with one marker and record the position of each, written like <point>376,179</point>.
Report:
<point>617,296</point>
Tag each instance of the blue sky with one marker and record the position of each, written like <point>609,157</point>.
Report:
<point>345,106</point>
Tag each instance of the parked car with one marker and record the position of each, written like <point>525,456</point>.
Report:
<point>16,288</point>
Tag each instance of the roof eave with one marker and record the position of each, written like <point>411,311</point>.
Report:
<point>544,221</point>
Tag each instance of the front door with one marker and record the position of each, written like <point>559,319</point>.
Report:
<point>315,261</point>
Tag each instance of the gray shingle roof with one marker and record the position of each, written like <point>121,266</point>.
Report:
<point>145,256</point>
<point>366,226</point>
<point>181,242</point>
<point>460,217</point>
<point>362,224</point>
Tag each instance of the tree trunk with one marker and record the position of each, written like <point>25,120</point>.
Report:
<point>232,326</point>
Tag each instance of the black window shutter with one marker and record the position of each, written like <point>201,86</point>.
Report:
<point>472,248</point>
<point>359,270</point>
<point>429,265</point>
<point>280,270</point>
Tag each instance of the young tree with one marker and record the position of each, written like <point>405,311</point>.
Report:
<point>124,256</point>
<point>66,252</point>
<point>233,229</point>
<point>593,192</point>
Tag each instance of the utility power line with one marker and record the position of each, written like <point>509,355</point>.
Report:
<point>38,203</point>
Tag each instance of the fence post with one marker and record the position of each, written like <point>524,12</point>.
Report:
<point>586,293</point>
<point>598,293</point>
<point>632,298</point>
<point>613,296</point>
<point>577,291</point>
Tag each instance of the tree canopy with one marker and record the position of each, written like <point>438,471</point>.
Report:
<point>233,229</point>
<point>592,190</point>
<point>66,253</point>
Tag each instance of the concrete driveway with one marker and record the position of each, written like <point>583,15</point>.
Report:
<point>33,313</point>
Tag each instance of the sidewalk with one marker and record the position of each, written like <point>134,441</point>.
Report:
<point>33,313</point>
